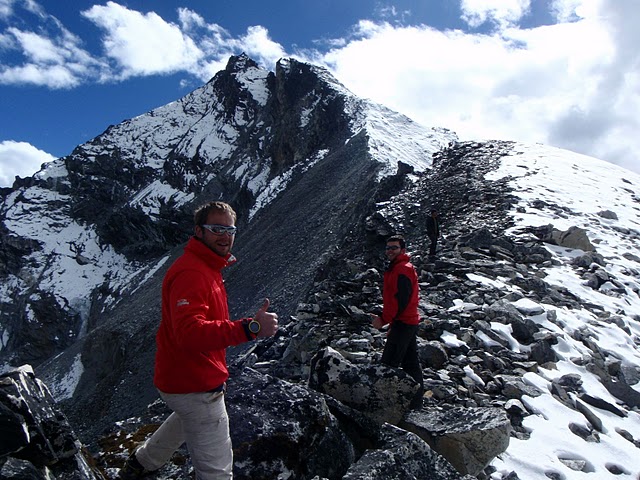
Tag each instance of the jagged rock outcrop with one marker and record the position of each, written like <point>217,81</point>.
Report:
<point>36,440</point>
<point>281,427</point>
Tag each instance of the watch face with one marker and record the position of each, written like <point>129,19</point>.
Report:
<point>254,327</point>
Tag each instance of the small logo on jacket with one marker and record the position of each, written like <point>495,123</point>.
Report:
<point>182,302</point>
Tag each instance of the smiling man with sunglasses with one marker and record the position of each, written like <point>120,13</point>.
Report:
<point>400,296</point>
<point>191,368</point>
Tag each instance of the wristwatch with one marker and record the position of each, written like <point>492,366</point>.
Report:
<point>251,328</point>
<point>254,327</point>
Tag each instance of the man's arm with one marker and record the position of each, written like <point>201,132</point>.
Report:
<point>405,289</point>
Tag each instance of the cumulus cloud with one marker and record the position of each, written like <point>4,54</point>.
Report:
<point>50,57</point>
<point>574,84</point>
<point>143,44</point>
<point>20,158</point>
<point>146,44</point>
<point>501,12</point>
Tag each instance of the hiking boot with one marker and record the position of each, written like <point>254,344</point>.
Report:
<point>132,469</point>
<point>416,403</point>
<point>418,400</point>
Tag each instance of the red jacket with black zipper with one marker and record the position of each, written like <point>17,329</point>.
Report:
<point>400,292</point>
<point>195,328</point>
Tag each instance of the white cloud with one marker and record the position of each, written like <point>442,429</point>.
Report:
<point>20,158</point>
<point>51,57</point>
<point>573,85</point>
<point>501,12</point>
<point>143,44</point>
<point>257,44</point>
<point>6,8</point>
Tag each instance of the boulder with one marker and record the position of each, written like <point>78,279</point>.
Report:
<point>380,392</point>
<point>433,354</point>
<point>402,455</point>
<point>469,438</point>
<point>524,330</point>
<point>37,440</point>
<point>280,427</point>
<point>480,238</point>
<point>574,237</point>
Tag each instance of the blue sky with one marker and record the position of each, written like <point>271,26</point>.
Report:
<point>560,72</point>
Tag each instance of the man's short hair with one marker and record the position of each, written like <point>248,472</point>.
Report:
<point>202,212</point>
<point>399,239</point>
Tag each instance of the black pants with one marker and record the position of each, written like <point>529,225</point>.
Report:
<point>401,350</point>
<point>434,243</point>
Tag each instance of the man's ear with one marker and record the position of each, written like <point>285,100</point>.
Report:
<point>197,231</point>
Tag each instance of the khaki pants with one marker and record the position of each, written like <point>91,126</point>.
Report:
<point>200,420</point>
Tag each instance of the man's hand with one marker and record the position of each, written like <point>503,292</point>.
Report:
<point>376,321</point>
<point>268,321</point>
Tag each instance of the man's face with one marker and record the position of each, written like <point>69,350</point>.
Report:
<point>219,244</point>
<point>392,250</point>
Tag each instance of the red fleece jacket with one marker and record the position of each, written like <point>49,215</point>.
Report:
<point>195,328</point>
<point>400,292</point>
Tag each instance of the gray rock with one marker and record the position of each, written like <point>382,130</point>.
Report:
<point>588,259</point>
<point>380,392</point>
<point>504,309</point>
<point>542,352</point>
<point>592,418</point>
<point>433,354</point>
<point>402,456</point>
<point>608,214</point>
<point>524,330</point>
<point>602,404</point>
<point>574,237</point>
<point>468,437</point>
<point>35,432</point>
<point>514,387</point>
<point>281,426</point>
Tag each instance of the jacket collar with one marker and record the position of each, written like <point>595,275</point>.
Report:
<point>203,252</point>
<point>402,258</point>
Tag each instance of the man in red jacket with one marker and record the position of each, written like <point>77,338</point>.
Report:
<point>190,367</point>
<point>400,310</point>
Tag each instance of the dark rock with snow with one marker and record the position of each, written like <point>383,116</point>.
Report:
<point>469,438</point>
<point>402,455</point>
<point>380,392</point>
<point>574,237</point>
<point>37,440</point>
